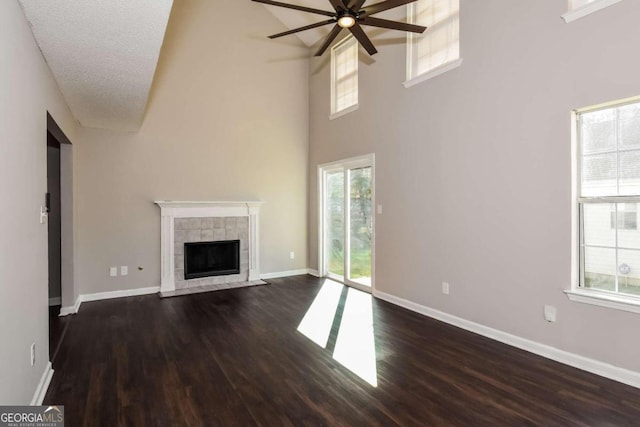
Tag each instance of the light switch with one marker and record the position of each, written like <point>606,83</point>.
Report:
<point>124,270</point>
<point>379,210</point>
<point>44,215</point>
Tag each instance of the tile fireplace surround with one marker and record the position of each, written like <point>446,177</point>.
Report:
<point>198,221</point>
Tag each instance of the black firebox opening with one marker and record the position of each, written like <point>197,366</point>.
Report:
<point>203,259</point>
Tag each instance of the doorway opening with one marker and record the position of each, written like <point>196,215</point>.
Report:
<point>346,221</point>
<point>59,203</point>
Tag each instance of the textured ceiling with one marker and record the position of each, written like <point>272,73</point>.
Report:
<point>103,54</point>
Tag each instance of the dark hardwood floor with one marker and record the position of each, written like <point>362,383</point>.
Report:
<point>57,328</point>
<point>235,358</point>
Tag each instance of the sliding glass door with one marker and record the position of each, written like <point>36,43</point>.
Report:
<point>346,245</point>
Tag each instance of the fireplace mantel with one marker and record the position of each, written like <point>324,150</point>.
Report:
<point>171,209</point>
<point>204,204</point>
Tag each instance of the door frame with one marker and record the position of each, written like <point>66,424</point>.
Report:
<point>366,160</point>
<point>69,291</point>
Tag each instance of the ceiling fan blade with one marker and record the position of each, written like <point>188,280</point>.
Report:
<point>296,7</point>
<point>330,38</point>
<point>393,25</point>
<point>337,5</point>
<point>385,5</point>
<point>306,27</point>
<point>359,34</point>
<point>354,4</point>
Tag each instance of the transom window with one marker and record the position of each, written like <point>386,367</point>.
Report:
<point>608,196</point>
<point>344,77</point>
<point>438,49</point>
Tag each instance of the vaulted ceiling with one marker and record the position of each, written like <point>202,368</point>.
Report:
<point>103,54</point>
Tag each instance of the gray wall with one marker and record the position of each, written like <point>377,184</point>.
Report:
<point>70,290</point>
<point>227,120</point>
<point>473,167</point>
<point>28,91</point>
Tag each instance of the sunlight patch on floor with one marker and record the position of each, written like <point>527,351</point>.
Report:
<point>317,322</point>
<point>355,348</point>
<point>355,344</point>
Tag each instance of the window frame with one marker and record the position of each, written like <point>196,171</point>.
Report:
<point>578,12</point>
<point>412,80</point>
<point>578,293</point>
<point>334,113</point>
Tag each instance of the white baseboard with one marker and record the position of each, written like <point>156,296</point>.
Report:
<point>313,272</point>
<point>284,273</point>
<point>120,294</point>
<point>55,301</point>
<point>73,309</point>
<point>107,295</point>
<point>597,367</point>
<point>43,385</point>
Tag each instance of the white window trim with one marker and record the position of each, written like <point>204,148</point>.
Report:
<point>587,9</point>
<point>343,112</point>
<point>440,69</point>
<point>603,299</point>
<point>340,113</point>
<point>599,298</point>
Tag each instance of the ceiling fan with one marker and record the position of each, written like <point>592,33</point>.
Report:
<point>350,14</point>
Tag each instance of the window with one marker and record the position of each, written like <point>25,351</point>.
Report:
<point>625,217</point>
<point>437,50</point>
<point>580,8</point>
<point>608,193</point>
<point>344,77</point>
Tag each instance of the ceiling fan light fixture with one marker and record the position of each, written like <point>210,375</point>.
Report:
<point>346,21</point>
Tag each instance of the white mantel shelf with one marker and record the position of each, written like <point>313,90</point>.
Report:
<point>205,203</point>
<point>171,209</point>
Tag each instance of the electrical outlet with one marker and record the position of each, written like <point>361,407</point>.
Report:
<point>113,271</point>
<point>550,313</point>
<point>445,288</point>
<point>33,354</point>
<point>292,255</point>
<point>124,270</point>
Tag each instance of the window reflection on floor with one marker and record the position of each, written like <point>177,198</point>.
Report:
<point>354,344</point>
<point>316,324</point>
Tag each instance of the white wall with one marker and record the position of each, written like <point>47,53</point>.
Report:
<point>27,91</point>
<point>227,120</point>
<point>473,167</point>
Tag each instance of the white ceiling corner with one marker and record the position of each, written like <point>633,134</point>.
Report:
<point>102,53</point>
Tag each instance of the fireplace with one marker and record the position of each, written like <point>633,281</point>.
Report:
<point>217,258</point>
<point>186,222</point>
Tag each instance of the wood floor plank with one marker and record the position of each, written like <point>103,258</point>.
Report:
<point>236,357</point>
